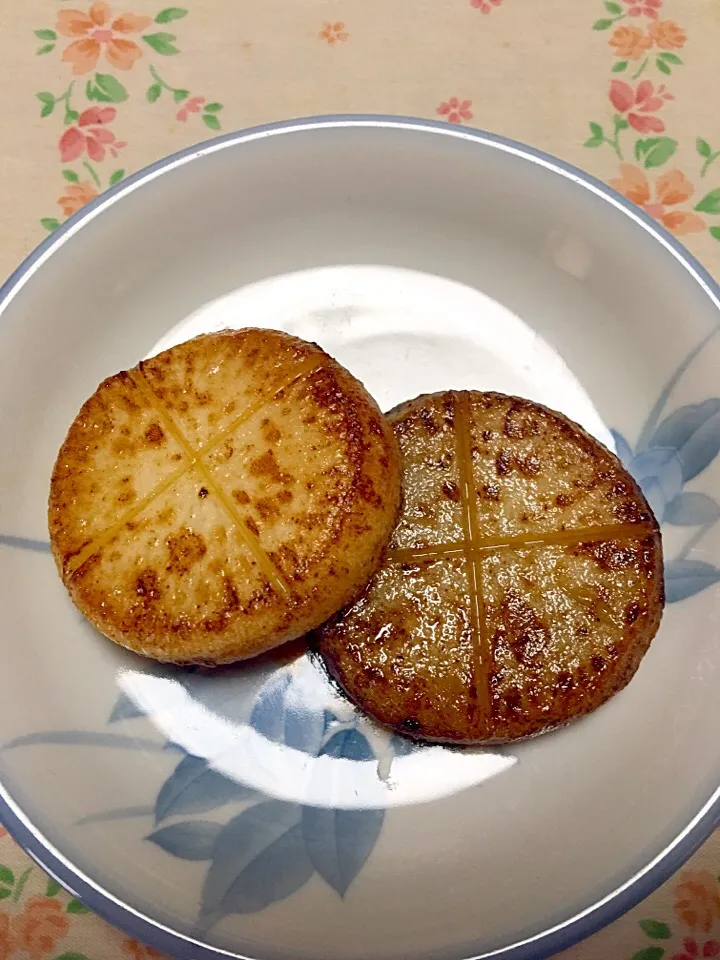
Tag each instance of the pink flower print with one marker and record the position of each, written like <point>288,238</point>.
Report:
<point>485,6</point>
<point>643,8</point>
<point>90,135</point>
<point>639,103</point>
<point>191,106</point>
<point>691,949</point>
<point>648,99</point>
<point>455,110</point>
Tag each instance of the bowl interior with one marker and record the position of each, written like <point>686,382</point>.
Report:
<point>251,809</point>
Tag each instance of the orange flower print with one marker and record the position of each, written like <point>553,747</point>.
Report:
<point>630,43</point>
<point>39,928</point>
<point>697,903</point>
<point>334,32</point>
<point>3,832</point>
<point>668,35</point>
<point>671,189</point>
<point>455,110</point>
<point>138,951</point>
<point>76,196</point>
<point>95,31</point>
<point>6,943</point>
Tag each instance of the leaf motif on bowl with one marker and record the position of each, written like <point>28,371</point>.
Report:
<point>670,453</point>
<point>125,709</point>
<point>195,787</point>
<point>283,716</point>
<point>339,842</point>
<point>693,432</point>
<point>188,840</point>
<point>270,848</point>
<point>692,510</point>
<point>684,578</point>
<point>258,858</point>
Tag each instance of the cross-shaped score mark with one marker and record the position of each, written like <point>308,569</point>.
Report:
<point>194,459</point>
<point>473,547</point>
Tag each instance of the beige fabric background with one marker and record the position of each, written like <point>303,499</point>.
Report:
<point>537,70</point>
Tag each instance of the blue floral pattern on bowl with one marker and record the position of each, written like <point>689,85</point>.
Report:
<point>271,847</point>
<point>670,452</point>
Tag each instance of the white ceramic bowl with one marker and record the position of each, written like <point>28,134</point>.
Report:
<point>251,812</point>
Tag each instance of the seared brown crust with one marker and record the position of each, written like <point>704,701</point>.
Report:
<point>223,497</point>
<point>521,587</point>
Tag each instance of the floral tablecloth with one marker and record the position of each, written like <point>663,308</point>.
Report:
<point>627,89</point>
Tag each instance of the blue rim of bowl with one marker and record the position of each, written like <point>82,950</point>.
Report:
<point>561,935</point>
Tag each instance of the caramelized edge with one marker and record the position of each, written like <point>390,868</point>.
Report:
<point>96,543</point>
